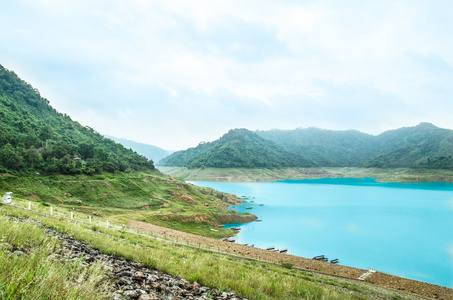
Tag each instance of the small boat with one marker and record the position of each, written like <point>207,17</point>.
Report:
<point>261,204</point>
<point>248,207</point>
<point>270,248</point>
<point>284,250</point>
<point>334,261</point>
<point>230,240</point>
<point>319,257</point>
<point>235,228</point>
<point>258,220</point>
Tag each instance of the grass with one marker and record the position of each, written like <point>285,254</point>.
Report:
<point>249,279</point>
<point>152,197</point>
<point>33,275</point>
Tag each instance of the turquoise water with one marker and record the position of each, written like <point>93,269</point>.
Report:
<point>401,229</point>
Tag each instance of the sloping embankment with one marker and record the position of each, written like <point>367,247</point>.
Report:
<point>388,281</point>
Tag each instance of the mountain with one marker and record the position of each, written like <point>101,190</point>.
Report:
<point>421,146</point>
<point>151,152</point>
<point>35,137</point>
<point>239,148</point>
<point>327,148</point>
<point>424,145</point>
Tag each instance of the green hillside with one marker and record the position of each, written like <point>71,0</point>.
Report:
<point>239,148</point>
<point>424,145</point>
<point>421,146</point>
<point>328,148</point>
<point>35,137</point>
<point>49,158</point>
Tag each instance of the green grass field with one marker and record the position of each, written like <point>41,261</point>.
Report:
<point>151,197</point>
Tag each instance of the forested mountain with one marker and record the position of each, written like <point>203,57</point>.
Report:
<point>239,148</point>
<point>326,147</point>
<point>34,136</point>
<point>149,151</point>
<point>424,145</point>
<point>421,146</point>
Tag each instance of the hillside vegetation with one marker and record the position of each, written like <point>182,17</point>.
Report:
<point>35,137</point>
<point>47,157</point>
<point>239,148</point>
<point>421,146</point>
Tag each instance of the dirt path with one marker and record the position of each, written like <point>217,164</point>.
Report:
<point>389,281</point>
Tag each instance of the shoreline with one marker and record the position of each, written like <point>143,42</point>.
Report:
<point>410,286</point>
<point>399,175</point>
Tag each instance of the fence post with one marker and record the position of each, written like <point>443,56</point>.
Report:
<point>29,205</point>
<point>72,215</point>
<point>107,223</point>
<point>90,219</point>
<point>51,210</point>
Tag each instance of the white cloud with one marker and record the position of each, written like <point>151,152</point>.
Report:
<point>203,67</point>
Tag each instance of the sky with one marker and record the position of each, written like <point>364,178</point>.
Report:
<point>176,73</point>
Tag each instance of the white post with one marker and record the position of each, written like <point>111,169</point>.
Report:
<point>107,223</point>
<point>29,205</point>
<point>90,218</point>
<point>72,215</point>
<point>51,210</point>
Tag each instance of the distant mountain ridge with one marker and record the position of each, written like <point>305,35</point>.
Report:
<point>151,152</point>
<point>239,148</point>
<point>421,146</point>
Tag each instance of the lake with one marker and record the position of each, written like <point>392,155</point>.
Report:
<point>396,228</point>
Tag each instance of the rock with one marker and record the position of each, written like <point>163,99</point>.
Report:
<point>139,276</point>
<point>116,297</point>
<point>131,294</point>
<point>124,281</point>
<point>147,297</point>
<point>124,273</point>
<point>18,253</point>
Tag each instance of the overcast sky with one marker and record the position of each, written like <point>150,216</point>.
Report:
<point>175,73</point>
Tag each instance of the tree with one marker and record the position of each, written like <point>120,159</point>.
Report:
<point>46,133</point>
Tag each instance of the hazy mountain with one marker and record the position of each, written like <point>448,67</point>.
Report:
<point>149,151</point>
<point>424,145</point>
<point>328,148</point>
<point>239,148</point>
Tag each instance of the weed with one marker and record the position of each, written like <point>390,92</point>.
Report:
<point>287,265</point>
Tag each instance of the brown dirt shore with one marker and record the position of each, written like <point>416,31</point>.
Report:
<point>380,279</point>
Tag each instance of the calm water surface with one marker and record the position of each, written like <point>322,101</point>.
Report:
<point>401,229</point>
